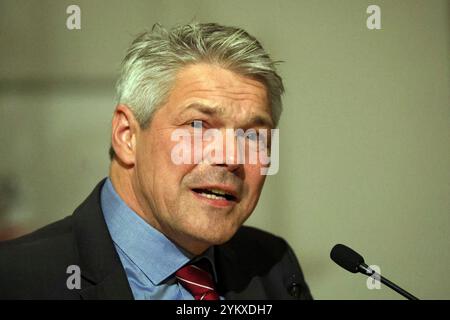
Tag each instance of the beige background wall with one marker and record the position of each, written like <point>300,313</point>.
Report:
<point>364,136</point>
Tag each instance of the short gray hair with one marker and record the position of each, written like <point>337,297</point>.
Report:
<point>152,61</point>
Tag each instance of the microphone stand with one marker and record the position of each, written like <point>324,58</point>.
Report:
<point>364,269</point>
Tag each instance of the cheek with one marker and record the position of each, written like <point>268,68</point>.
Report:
<point>255,181</point>
<point>159,147</point>
<point>153,160</point>
<point>168,171</point>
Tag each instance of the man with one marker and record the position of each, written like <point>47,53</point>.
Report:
<point>157,228</point>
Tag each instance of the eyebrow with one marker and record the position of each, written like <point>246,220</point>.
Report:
<point>209,110</point>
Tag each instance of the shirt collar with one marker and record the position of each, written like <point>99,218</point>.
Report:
<point>150,250</point>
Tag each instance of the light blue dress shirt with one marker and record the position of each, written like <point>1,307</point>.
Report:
<point>148,257</point>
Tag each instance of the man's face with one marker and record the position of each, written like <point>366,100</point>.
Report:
<point>177,199</point>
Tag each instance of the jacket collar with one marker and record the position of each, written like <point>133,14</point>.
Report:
<point>227,271</point>
<point>102,273</point>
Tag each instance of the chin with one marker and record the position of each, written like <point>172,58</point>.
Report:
<point>217,238</point>
<point>210,231</point>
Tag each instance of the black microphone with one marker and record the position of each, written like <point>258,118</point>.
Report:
<point>354,262</point>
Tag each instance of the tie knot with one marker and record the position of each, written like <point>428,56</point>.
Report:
<point>198,280</point>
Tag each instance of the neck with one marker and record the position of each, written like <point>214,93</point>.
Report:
<point>121,179</point>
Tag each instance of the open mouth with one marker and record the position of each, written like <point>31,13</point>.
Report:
<point>215,194</point>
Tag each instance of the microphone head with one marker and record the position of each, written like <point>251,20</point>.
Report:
<point>346,258</point>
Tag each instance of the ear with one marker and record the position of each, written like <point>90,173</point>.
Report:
<point>123,134</point>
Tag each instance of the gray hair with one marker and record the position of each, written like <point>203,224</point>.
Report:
<point>152,61</point>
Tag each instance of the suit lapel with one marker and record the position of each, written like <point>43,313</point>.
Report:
<point>227,274</point>
<point>235,282</point>
<point>113,287</point>
<point>101,269</point>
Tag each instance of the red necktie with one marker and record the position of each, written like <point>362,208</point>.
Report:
<point>198,281</point>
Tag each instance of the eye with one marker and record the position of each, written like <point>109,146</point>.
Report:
<point>196,124</point>
<point>252,135</point>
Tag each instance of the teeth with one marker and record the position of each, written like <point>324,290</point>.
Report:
<point>212,196</point>
<point>218,191</point>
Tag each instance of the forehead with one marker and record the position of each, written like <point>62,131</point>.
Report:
<point>234,95</point>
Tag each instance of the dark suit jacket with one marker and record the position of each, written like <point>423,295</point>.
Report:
<point>252,265</point>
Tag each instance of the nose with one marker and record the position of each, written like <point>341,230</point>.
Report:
<point>224,151</point>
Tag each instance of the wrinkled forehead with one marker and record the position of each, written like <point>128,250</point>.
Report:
<point>216,91</point>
